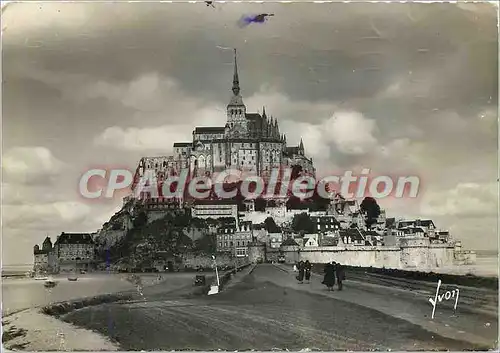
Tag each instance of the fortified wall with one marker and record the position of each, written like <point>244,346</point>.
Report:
<point>416,253</point>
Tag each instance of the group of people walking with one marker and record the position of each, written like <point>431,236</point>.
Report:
<point>334,272</point>
<point>304,269</point>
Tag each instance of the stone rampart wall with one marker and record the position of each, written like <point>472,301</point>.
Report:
<point>206,261</point>
<point>411,257</point>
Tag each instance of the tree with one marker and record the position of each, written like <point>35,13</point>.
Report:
<point>317,202</point>
<point>206,245</point>
<point>303,223</point>
<point>371,209</point>
<point>141,219</point>
<point>294,203</point>
<point>260,204</point>
<point>271,226</point>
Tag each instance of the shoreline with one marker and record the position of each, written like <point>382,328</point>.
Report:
<point>31,330</point>
<point>28,328</point>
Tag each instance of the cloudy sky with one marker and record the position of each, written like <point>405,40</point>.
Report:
<point>397,88</point>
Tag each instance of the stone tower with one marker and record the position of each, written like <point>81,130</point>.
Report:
<point>237,125</point>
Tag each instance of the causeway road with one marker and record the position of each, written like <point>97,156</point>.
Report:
<point>268,310</point>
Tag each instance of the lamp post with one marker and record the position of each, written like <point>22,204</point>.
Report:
<point>216,271</point>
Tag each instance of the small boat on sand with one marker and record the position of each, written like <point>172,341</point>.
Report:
<point>40,278</point>
<point>72,279</point>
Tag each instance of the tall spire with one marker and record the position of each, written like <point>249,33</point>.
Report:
<point>264,112</point>
<point>236,81</point>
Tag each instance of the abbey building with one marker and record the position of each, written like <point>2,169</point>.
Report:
<point>249,142</point>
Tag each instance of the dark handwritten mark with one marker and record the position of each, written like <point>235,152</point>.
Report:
<point>439,298</point>
<point>210,3</point>
<point>245,20</point>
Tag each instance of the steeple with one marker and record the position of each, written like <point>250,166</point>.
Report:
<point>264,112</point>
<point>236,81</point>
<point>301,146</point>
<point>236,109</point>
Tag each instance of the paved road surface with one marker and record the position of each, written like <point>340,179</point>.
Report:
<point>269,310</point>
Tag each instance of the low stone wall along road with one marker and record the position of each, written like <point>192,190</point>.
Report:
<point>267,309</point>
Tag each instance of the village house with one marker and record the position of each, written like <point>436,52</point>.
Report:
<point>328,239</point>
<point>311,240</point>
<point>351,236</point>
<point>325,223</point>
<point>215,209</point>
<point>234,238</point>
<point>275,240</point>
<point>426,225</point>
<point>75,251</point>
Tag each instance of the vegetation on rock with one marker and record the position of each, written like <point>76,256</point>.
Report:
<point>302,223</point>
<point>371,209</point>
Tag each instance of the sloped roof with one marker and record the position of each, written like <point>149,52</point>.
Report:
<point>410,230</point>
<point>74,238</point>
<point>325,219</point>
<point>370,232</point>
<point>416,222</point>
<point>307,239</point>
<point>328,241</point>
<point>210,130</point>
<point>253,116</point>
<point>183,144</point>
<point>351,232</point>
<point>289,242</point>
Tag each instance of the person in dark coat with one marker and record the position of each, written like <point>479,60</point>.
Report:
<point>329,279</point>
<point>307,269</point>
<point>301,268</point>
<point>340,272</point>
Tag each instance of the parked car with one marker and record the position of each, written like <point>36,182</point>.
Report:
<point>200,280</point>
<point>281,259</point>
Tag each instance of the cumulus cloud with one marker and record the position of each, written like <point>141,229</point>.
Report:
<point>157,139</point>
<point>31,165</point>
<point>36,215</point>
<point>466,200</point>
<point>142,139</point>
<point>351,132</point>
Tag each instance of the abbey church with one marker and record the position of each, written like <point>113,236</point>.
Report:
<point>249,142</point>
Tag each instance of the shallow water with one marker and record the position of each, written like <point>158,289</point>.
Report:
<point>23,293</point>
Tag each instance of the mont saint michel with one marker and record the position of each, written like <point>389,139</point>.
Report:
<point>249,142</point>
<point>218,176</point>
